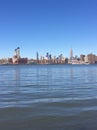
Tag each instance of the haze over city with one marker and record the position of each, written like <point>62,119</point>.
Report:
<point>52,26</point>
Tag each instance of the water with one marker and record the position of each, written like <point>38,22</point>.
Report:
<point>48,97</point>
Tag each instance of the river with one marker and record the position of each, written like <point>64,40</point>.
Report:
<point>48,97</point>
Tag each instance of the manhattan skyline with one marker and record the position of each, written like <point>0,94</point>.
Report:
<point>52,26</point>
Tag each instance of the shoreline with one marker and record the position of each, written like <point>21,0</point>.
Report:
<point>43,64</point>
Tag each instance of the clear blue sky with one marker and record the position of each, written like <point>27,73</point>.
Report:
<point>52,26</point>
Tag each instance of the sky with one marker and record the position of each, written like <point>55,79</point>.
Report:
<point>52,26</point>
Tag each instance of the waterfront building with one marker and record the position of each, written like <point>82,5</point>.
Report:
<point>82,58</point>
<point>95,59</point>
<point>66,60</point>
<point>16,56</point>
<point>86,59</point>
<point>75,61</point>
<point>10,60</point>
<point>18,52</point>
<point>4,61</point>
<point>23,61</point>
<point>17,59</point>
<point>91,58</point>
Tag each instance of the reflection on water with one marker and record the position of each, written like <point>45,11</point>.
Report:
<point>48,97</point>
<point>17,76</point>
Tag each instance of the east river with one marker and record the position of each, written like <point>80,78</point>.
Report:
<point>48,97</point>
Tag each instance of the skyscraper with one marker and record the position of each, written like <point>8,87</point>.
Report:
<point>18,52</point>
<point>47,55</point>
<point>37,56</point>
<point>16,56</point>
<point>71,54</point>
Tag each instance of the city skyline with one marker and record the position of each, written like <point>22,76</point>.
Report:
<point>17,53</point>
<point>52,26</point>
<point>49,59</point>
